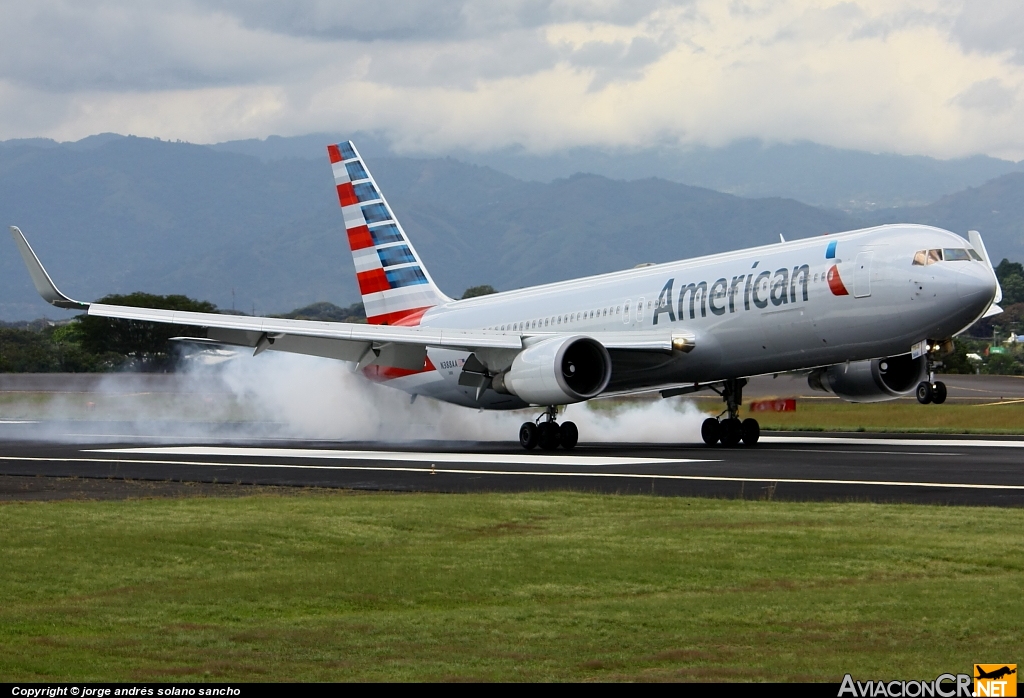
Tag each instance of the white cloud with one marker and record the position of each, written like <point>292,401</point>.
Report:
<point>938,77</point>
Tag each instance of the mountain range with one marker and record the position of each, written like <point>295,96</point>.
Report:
<point>116,214</point>
<point>820,175</point>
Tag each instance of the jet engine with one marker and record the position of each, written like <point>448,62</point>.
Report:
<point>870,381</point>
<point>557,371</point>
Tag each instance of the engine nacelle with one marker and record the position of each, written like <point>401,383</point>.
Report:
<point>871,381</point>
<point>557,371</point>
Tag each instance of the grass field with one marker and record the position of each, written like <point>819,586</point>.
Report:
<point>552,586</point>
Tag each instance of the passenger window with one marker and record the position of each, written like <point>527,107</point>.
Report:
<point>919,258</point>
<point>934,256</point>
<point>618,309</point>
<point>955,254</point>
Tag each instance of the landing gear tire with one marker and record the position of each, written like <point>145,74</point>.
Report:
<point>732,432</point>
<point>939,393</point>
<point>710,431</point>
<point>568,435</point>
<point>751,431</point>
<point>528,436</point>
<point>548,436</point>
<point>925,394</point>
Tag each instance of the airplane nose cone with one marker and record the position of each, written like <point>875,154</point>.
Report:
<point>976,284</point>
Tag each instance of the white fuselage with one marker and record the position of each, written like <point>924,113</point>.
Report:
<point>761,310</point>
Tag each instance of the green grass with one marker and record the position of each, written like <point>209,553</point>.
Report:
<point>896,416</point>
<point>552,586</point>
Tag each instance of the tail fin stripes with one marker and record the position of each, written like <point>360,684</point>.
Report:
<point>393,282</point>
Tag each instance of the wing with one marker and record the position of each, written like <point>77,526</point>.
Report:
<point>384,345</point>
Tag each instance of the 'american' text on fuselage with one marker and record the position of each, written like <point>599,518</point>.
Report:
<point>778,288</point>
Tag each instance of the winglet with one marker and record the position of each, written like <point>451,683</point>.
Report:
<point>44,284</point>
<point>979,246</point>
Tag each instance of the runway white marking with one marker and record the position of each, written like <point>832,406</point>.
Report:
<point>406,456</point>
<point>428,471</point>
<point>844,440</point>
<point>18,421</point>
<point>862,453</point>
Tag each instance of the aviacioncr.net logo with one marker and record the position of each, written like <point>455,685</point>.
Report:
<point>943,686</point>
<point>995,680</point>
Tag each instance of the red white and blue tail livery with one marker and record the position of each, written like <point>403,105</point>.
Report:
<point>393,282</point>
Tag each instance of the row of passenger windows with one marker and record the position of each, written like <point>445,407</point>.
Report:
<point>557,320</point>
<point>923,258</point>
<point>540,323</point>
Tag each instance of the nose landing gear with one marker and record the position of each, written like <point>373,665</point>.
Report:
<point>931,390</point>
<point>547,433</point>
<point>730,431</point>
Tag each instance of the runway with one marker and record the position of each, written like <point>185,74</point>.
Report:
<point>787,466</point>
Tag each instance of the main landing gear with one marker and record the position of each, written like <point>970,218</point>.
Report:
<point>730,431</point>
<point>547,433</point>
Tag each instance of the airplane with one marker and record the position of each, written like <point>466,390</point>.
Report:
<point>995,674</point>
<point>867,314</point>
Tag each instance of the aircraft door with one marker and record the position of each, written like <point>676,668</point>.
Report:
<point>862,275</point>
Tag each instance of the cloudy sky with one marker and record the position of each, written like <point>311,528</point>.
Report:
<point>935,77</point>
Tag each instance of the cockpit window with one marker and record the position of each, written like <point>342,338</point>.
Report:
<point>950,254</point>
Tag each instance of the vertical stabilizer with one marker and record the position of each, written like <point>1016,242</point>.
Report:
<point>394,284</point>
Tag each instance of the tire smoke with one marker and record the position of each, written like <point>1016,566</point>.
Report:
<point>282,396</point>
<point>320,398</point>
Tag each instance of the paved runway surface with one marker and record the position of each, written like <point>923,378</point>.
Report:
<point>953,470</point>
